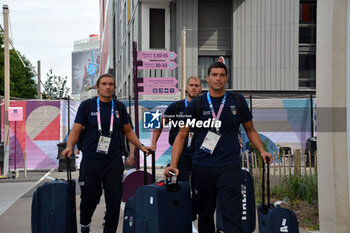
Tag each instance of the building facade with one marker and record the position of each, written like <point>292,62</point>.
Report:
<point>268,45</point>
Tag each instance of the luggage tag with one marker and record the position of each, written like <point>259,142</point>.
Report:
<point>210,141</point>
<point>189,139</point>
<point>103,145</point>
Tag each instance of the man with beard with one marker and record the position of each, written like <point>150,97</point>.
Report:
<point>175,113</point>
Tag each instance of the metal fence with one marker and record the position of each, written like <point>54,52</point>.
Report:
<point>284,165</point>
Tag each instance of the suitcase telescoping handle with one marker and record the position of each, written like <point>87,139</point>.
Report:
<point>268,184</point>
<point>69,173</point>
<point>152,153</point>
<point>172,187</point>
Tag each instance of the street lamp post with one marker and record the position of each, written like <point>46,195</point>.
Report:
<point>5,11</point>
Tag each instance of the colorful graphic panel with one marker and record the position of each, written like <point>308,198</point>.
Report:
<point>37,135</point>
<point>284,122</point>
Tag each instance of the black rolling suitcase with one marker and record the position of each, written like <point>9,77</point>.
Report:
<point>163,208</point>
<point>131,182</point>
<point>274,219</point>
<point>53,206</point>
<point>248,204</point>
<point>129,212</point>
<point>160,207</point>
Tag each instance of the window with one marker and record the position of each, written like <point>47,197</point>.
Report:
<point>214,30</point>
<point>205,61</point>
<point>129,50</point>
<point>307,34</point>
<point>157,28</point>
<point>214,36</point>
<point>124,91</point>
<point>129,86</point>
<point>124,58</point>
<point>124,19</point>
<point>307,44</point>
<point>307,70</point>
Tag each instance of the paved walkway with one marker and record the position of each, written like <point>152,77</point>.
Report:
<point>16,198</point>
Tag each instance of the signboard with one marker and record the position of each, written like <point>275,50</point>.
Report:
<point>156,55</point>
<point>167,90</point>
<point>85,69</point>
<point>157,65</point>
<point>15,113</point>
<point>157,81</point>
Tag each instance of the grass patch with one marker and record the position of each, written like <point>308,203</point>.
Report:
<point>301,194</point>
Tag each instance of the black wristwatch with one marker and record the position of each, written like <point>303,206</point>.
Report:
<point>139,146</point>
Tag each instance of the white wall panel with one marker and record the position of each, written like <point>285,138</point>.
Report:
<point>265,44</point>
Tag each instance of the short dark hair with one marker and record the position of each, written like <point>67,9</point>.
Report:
<point>217,65</point>
<point>104,76</point>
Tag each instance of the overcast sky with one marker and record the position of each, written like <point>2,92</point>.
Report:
<point>46,29</point>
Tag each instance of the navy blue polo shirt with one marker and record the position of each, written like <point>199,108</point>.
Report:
<point>227,150</point>
<point>175,112</point>
<point>91,137</point>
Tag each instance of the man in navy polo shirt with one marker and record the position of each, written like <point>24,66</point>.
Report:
<point>175,112</point>
<point>102,164</point>
<point>216,164</point>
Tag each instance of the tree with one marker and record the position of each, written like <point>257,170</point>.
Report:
<point>55,86</point>
<point>22,84</point>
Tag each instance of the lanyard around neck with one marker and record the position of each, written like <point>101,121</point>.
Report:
<point>99,117</point>
<point>216,117</point>
<point>186,102</point>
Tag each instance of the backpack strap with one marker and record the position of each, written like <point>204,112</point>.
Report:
<point>177,106</point>
<point>86,117</point>
<point>174,130</point>
<point>197,115</point>
<point>86,111</point>
<point>197,107</point>
<point>123,141</point>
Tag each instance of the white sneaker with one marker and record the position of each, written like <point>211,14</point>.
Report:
<point>194,229</point>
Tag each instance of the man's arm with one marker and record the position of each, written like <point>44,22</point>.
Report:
<point>72,139</point>
<point>131,159</point>
<point>131,136</point>
<point>176,151</point>
<point>157,132</point>
<point>255,140</point>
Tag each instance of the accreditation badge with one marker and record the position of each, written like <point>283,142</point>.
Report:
<point>210,141</point>
<point>103,145</point>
